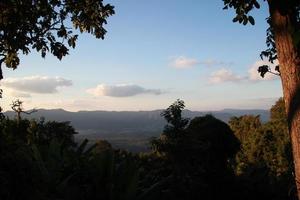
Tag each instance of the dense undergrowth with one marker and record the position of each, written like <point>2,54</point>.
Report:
<point>200,158</point>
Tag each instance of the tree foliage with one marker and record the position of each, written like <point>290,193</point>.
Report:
<point>40,160</point>
<point>203,160</point>
<point>264,165</point>
<point>244,125</point>
<point>243,9</point>
<point>191,157</point>
<point>283,44</point>
<point>174,130</point>
<point>47,26</point>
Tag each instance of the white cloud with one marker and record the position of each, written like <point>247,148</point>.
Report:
<point>183,62</point>
<point>224,75</point>
<point>36,84</point>
<point>122,90</point>
<point>255,76</point>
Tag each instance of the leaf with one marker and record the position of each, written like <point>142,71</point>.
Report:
<point>251,20</point>
<point>235,19</point>
<point>155,188</point>
<point>245,21</point>
<point>263,70</point>
<point>82,146</point>
<point>241,19</point>
<point>256,4</point>
<point>12,60</point>
<point>39,161</point>
<point>277,68</point>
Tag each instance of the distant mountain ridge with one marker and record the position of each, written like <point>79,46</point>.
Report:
<point>109,122</point>
<point>129,130</point>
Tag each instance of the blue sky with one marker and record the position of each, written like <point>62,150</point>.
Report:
<point>153,53</point>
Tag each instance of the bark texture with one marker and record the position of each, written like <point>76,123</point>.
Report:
<point>283,24</point>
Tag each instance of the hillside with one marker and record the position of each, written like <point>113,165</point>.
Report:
<point>126,129</point>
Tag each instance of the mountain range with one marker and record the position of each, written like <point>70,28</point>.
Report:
<point>126,129</point>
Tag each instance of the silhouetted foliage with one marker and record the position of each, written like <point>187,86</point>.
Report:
<point>40,160</point>
<point>173,132</point>
<point>199,158</point>
<point>191,158</point>
<point>47,26</point>
<point>217,137</point>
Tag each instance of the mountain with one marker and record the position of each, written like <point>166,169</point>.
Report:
<point>126,129</point>
<point>128,121</point>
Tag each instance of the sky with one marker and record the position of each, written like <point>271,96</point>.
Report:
<point>154,52</point>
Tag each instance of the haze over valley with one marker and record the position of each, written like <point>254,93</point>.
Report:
<point>130,130</point>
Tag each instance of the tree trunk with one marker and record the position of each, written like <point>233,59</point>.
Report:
<point>283,26</point>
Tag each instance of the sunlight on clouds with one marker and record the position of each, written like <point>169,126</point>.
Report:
<point>224,75</point>
<point>183,62</point>
<point>122,90</point>
<point>36,84</point>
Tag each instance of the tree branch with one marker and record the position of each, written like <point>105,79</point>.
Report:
<point>274,73</point>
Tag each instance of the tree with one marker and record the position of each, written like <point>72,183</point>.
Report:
<point>43,132</point>
<point>211,147</point>
<point>264,167</point>
<point>193,157</point>
<point>17,106</point>
<point>217,137</point>
<point>283,41</point>
<point>46,26</point>
<point>51,166</point>
<point>173,132</point>
<point>243,126</point>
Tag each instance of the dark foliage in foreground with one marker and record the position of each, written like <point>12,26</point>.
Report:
<point>39,160</point>
<point>201,158</point>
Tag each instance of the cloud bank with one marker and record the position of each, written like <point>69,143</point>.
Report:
<point>122,90</point>
<point>36,84</point>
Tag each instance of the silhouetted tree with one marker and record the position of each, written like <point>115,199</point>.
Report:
<point>193,157</point>
<point>217,137</point>
<point>213,147</point>
<point>17,106</point>
<point>174,131</point>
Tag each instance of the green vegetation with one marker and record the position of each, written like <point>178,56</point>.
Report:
<point>201,158</point>
<point>264,164</point>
